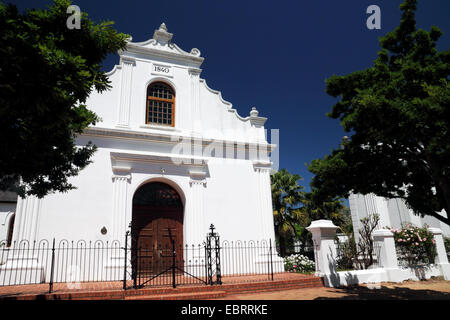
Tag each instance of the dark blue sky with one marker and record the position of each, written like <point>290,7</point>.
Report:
<point>274,55</point>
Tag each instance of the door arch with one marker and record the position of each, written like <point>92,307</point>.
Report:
<point>157,222</point>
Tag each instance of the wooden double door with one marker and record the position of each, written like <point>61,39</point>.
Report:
<point>157,229</point>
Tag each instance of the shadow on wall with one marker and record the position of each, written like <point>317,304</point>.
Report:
<point>334,278</point>
<point>420,271</point>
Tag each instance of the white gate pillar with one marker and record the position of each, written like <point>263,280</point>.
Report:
<point>323,233</point>
<point>388,254</point>
<point>441,257</point>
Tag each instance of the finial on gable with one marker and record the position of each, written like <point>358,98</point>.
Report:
<point>254,112</point>
<point>255,119</point>
<point>163,27</point>
<point>161,35</point>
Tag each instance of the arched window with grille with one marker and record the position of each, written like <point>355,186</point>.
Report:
<point>160,104</point>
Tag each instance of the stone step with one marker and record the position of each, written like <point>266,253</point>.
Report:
<point>181,296</point>
<point>275,287</point>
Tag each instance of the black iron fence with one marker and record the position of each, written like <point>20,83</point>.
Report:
<point>73,262</point>
<point>66,261</point>
<point>242,258</point>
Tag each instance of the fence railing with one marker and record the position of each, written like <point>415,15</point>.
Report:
<point>65,261</point>
<point>241,258</point>
<point>72,262</point>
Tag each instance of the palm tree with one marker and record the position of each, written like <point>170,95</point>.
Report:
<point>326,208</point>
<point>287,196</point>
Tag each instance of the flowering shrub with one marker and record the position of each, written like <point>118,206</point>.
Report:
<point>415,245</point>
<point>298,263</point>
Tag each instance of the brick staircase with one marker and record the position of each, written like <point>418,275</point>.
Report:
<point>194,292</point>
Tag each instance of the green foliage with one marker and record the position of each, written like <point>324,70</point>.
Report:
<point>298,263</point>
<point>47,71</point>
<point>294,209</point>
<point>287,195</point>
<point>398,114</point>
<point>415,245</point>
<point>327,208</point>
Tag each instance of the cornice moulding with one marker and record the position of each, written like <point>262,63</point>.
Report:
<point>155,158</point>
<point>168,138</point>
<point>178,56</point>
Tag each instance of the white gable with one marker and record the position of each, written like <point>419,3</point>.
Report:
<point>199,110</point>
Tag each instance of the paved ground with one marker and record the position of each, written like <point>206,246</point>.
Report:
<point>118,285</point>
<point>434,289</point>
<point>429,289</point>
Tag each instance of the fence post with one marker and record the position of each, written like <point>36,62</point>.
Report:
<point>173,263</point>
<point>134,266</point>
<point>139,265</point>
<point>125,262</point>
<point>441,257</point>
<point>50,289</point>
<point>206,264</point>
<point>271,261</point>
<point>218,261</point>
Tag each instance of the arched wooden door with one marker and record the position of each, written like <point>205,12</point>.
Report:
<point>157,221</point>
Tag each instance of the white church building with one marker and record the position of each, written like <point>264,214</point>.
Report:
<point>392,212</point>
<point>173,156</point>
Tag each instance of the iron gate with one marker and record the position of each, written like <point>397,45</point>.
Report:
<point>173,265</point>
